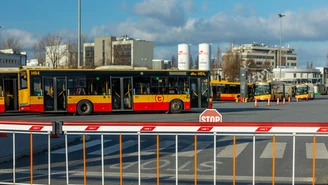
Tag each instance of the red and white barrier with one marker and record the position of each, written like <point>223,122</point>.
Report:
<point>12,125</point>
<point>231,127</point>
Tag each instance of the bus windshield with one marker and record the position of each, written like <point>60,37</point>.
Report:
<point>262,89</point>
<point>302,90</point>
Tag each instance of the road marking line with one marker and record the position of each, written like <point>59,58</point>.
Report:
<point>153,175</point>
<point>115,148</point>
<point>189,151</point>
<point>78,147</point>
<point>152,149</point>
<point>280,150</point>
<point>321,152</point>
<point>227,151</point>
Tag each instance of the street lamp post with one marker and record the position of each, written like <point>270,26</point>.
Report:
<point>79,35</point>
<point>280,57</point>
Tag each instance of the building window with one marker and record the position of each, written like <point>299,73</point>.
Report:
<point>294,75</point>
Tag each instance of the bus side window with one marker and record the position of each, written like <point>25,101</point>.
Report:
<point>141,85</point>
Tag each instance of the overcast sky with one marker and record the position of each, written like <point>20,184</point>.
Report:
<point>170,22</point>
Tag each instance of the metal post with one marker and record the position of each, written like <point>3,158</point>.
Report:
<point>293,168</point>
<point>254,160</point>
<point>280,15</point>
<point>49,159</point>
<point>31,158</point>
<point>14,158</point>
<point>214,159</point>
<point>176,160</point>
<point>102,160</point>
<point>66,158</point>
<point>79,34</point>
<point>139,160</point>
<point>84,161</point>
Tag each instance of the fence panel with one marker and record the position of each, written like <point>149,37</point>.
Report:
<point>18,130</point>
<point>195,129</point>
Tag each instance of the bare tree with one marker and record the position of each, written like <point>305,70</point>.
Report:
<point>218,63</point>
<point>283,61</point>
<point>197,62</point>
<point>231,65</point>
<point>122,54</point>
<point>11,43</point>
<point>73,51</point>
<point>109,53</point>
<point>191,62</point>
<point>53,47</point>
<point>174,61</point>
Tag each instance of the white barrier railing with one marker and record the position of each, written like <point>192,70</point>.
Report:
<point>233,129</point>
<point>31,128</point>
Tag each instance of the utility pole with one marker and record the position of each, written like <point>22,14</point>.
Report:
<point>79,35</point>
<point>280,57</point>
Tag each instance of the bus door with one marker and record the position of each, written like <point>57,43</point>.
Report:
<point>199,92</point>
<point>121,91</point>
<point>54,90</point>
<point>10,94</point>
<point>195,94</point>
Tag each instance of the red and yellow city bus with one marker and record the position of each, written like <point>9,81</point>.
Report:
<point>228,91</point>
<point>8,89</point>
<point>224,90</point>
<point>84,91</point>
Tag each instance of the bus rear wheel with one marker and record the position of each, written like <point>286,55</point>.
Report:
<point>176,106</point>
<point>84,107</point>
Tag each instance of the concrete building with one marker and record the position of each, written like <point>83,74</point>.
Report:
<point>323,75</point>
<point>103,51</point>
<point>132,52</point>
<point>161,64</point>
<point>89,55</point>
<point>12,58</point>
<point>60,53</point>
<point>264,55</point>
<point>294,75</point>
<point>32,62</point>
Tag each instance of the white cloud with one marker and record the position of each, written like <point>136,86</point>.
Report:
<point>204,6</point>
<point>27,39</point>
<point>243,10</point>
<point>167,26</point>
<point>188,6</point>
<point>169,12</point>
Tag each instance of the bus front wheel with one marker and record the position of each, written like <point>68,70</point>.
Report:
<point>84,107</point>
<point>176,106</point>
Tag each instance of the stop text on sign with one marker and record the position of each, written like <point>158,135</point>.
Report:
<point>210,115</point>
<point>211,119</point>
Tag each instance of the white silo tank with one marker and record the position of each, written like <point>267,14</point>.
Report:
<point>204,56</point>
<point>183,57</point>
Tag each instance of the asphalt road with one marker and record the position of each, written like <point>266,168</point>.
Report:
<point>302,111</point>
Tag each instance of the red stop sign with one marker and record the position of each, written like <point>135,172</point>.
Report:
<point>210,115</point>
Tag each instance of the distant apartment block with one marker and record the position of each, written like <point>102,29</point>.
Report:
<point>133,52</point>
<point>263,54</point>
<point>89,54</point>
<point>103,51</point>
<point>12,58</point>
